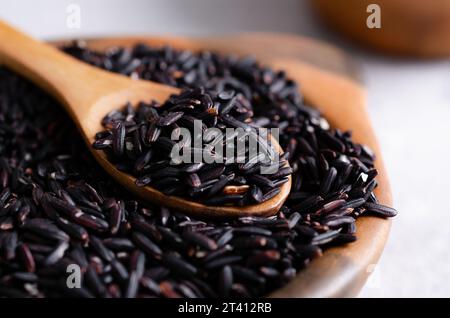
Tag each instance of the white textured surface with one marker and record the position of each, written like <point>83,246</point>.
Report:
<point>410,107</point>
<point>409,103</point>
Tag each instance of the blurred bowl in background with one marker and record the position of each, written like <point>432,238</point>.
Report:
<point>408,27</point>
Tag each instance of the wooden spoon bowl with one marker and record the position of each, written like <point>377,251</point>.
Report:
<point>328,81</point>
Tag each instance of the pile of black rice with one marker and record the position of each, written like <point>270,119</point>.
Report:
<point>140,142</point>
<point>58,208</point>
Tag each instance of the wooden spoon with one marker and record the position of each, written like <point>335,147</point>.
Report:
<point>88,93</point>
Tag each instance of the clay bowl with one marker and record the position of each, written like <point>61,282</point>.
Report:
<point>408,27</point>
<point>327,82</point>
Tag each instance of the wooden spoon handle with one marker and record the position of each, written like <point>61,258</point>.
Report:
<point>75,84</point>
<point>66,78</point>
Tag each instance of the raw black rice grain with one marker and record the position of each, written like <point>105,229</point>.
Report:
<point>380,209</point>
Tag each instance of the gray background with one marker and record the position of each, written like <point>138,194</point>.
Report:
<point>409,102</point>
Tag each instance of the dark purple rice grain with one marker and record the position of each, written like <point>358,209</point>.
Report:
<point>101,250</point>
<point>294,218</point>
<point>169,118</point>
<point>225,237</point>
<point>147,245</point>
<point>252,230</point>
<point>146,228</point>
<point>263,258</point>
<point>225,280</point>
<point>229,199</point>
<point>331,206</point>
<point>338,221</point>
<point>94,282</point>
<point>116,216</point>
<point>325,238</point>
<point>222,261</point>
<point>27,257</point>
<point>200,240</point>
<point>4,195</point>
<point>194,167</point>
<point>307,204</point>
<point>220,184</point>
<point>150,285</point>
<point>74,230</point>
<point>269,272</point>
<point>46,229</point>
<point>193,180</point>
<point>250,242</point>
<point>186,291</point>
<point>217,253</point>
<point>119,271</point>
<point>167,290</point>
<point>178,265</point>
<point>6,223</point>
<point>9,245</point>
<point>380,209</point>
<point>270,194</point>
<point>57,254</point>
<point>328,180</point>
<point>118,139</point>
<point>248,275</point>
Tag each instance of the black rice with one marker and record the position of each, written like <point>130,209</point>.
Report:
<point>59,208</point>
<point>138,140</point>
